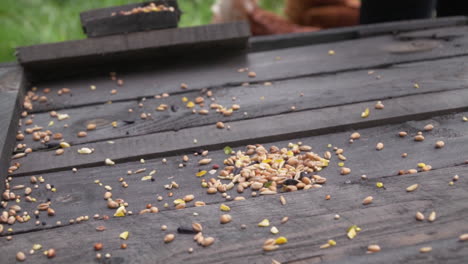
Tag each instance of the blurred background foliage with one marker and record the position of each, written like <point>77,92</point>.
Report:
<point>28,22</point>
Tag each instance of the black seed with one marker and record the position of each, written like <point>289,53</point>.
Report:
<point>290,182</point>
<point>236,171</point>
<point>44,223</point>
<point>186,230</point>
<point>303,174</point>
<point>48,199</point>
<point>174,108</point>
<point>152,179</point>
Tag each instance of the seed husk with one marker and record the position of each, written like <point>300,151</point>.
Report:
<point>20,256</point>
<point>432,216</point>
<point>440,144</point>
<point>379,146</point>
<point>412,187</point>
<point>284,220</point>
<point>225,218</point>
<point>367,200</point>
<point>204,161</point>
<point>419,216</point>
<point>169,238</point>
<point>373,248</point>
<point>402,134</point>
<point>59,152</point>
<point>425,249</point>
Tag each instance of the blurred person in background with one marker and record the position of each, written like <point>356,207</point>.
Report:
<point>313,15</point>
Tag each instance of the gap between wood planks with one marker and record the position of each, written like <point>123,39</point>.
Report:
<point>461,169</point>
<point>319,61</point>
<point>389,222</point>
<point>395,83</point>
<point>281,127</point>
<point>77,192</point>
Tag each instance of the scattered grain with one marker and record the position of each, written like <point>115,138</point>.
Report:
<point>419,216</point>
<point>367,200</point>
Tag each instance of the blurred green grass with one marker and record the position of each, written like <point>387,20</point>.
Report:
<point>28,22</point>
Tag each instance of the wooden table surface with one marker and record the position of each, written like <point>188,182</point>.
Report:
<point>301,93</point>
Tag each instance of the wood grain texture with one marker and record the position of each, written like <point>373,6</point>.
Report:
<point>255,100</point>
<point>263,43</point>
<point>289,63</point>
<point>77,194</point>
<point>389,221</point>
<point>279,127</point>
<point>76,57</point>
<point>11,91</point>
<point>100,22</point>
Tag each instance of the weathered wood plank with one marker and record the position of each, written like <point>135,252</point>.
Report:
<point>263,43</point>
<point>222,71</point>
<point>280,127</point>
<point>11,92</point>
<point>389,221</point>
<point>75,57</point>
<point>77,194</point>
<point>100,22</point>
<point>255,100</point>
